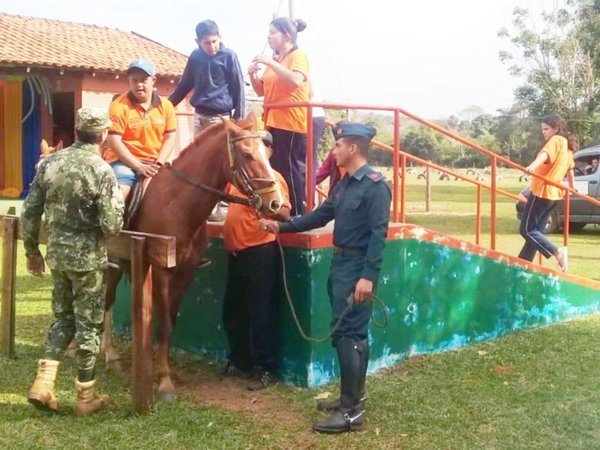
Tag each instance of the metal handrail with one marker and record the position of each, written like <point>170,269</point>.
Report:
<point>400,157</point>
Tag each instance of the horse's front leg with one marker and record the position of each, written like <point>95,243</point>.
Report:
<point>161,283</point>
<point>111,356</point>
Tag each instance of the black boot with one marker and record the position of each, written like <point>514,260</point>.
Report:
<point>349,416</point>
<point>332,405</point>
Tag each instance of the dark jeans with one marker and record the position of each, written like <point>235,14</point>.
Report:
<point>534,219</point>
<point>289,159</point>
<point>249,307</point>
<point>318,128</point>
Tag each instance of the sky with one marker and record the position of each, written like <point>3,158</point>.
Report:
<point>431,57</point>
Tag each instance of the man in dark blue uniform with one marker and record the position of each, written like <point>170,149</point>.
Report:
<point>360,205</point>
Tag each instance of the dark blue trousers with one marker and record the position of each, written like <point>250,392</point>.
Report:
<point>343,276</point>
<point>289,159</point>
<point>534,219</point>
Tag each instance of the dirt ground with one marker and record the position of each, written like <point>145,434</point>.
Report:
<point>230,394</point>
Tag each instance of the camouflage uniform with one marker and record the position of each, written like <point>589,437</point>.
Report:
<point>78,192</point>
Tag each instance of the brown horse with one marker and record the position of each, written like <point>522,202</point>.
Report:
<point>175,205</point>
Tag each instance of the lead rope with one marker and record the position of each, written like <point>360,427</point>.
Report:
<point>349,305</point>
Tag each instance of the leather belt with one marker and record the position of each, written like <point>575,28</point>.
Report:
<point>211,117</point>
<point>348,252</point>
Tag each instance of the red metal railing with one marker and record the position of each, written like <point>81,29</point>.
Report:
<point>399,167</point>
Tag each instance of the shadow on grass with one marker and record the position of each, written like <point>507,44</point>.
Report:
<point>32,328</point>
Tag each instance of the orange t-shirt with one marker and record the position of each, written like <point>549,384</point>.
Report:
<point>240,230</point>
<point>291,119</point>
<point>142,130</point>
<point>560,161</point>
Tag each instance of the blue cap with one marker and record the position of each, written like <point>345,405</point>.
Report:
<point>142,64</point>
<point>345,128</point>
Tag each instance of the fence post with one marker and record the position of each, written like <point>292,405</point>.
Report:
<point>9,281</point>
<point>567,215</point>
<point>396,167</point>
<point>427,189</point>
<point>141,326</point>
<point>478,217</point>
<point>403,190</point>
<point>310,161</point>
<point>494,175</point>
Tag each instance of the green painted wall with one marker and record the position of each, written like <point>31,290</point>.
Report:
<point>438,298</point>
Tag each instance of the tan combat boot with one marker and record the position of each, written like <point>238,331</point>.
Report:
<point>41,394</point>
<point>88,402</point>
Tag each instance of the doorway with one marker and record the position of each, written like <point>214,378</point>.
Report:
<point>63,118</point>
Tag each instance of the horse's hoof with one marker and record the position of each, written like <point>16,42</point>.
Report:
<point>167,397</point>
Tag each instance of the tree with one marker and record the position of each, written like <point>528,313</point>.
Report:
<point>559,62</point>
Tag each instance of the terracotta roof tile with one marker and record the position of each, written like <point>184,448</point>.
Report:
<point>54,43</point>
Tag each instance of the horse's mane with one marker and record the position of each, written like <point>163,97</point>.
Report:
<point>209,131</point>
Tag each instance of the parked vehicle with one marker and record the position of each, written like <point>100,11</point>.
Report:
<point>587,180</point>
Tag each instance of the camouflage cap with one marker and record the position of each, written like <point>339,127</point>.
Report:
<point>92,119</point>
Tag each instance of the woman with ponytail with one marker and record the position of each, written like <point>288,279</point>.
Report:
<point>285,79</point>
<point>553,161</point>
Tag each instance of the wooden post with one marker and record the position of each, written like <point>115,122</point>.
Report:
<point>427,189</point>
<point>141,326</point>
<point>8,233</point>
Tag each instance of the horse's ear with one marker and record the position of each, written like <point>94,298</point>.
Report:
<point>248,123</point>
<point>227,124</point>
<point>251,118</point>
<point>43,147</point>
<point>59,146</point>
<point>230,127</point>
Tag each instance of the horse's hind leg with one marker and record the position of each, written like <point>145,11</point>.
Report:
<point>111,356</point>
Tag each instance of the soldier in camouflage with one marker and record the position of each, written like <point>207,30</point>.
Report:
<point>78,193</point>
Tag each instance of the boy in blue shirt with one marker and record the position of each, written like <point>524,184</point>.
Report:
<point>213,72</point>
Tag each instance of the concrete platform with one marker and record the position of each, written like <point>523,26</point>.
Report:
<point>441,293</point>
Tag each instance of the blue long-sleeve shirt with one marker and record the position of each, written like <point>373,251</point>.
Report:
<point>217,82</point>
<point>360,205</point>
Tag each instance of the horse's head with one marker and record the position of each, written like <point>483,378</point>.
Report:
<point>250,170</point>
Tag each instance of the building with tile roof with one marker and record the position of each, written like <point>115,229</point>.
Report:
<point>50,68</point>
<point>51,44</point>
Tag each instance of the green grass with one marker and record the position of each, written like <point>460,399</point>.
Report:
<point>538,389</point>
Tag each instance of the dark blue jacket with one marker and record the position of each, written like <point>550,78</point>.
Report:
<point>217,81</point>
<point>360,205</point>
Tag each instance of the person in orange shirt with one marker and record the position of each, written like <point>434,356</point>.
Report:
<point>144,128</point>
<point>286,79</point>
<point>554,161</point>
<point>249,309</point>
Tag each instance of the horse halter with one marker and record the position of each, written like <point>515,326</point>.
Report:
<point>240,177</point>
